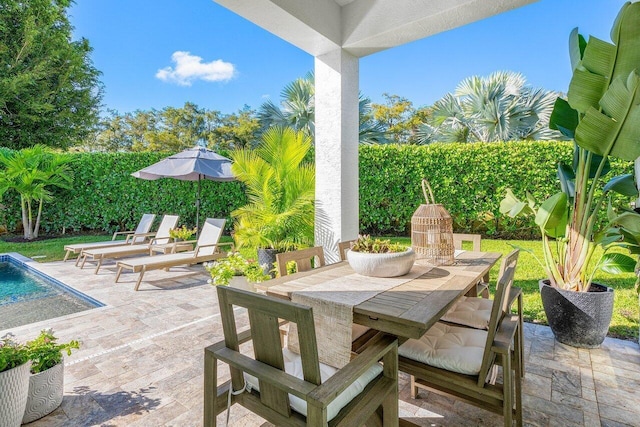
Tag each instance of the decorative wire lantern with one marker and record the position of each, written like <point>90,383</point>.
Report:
<point>432,231</point>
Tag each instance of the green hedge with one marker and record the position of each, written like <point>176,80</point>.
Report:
<point>469,179</point>
<point>106,197</point>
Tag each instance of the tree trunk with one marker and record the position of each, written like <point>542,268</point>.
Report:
<point>25,218</point>
<point>37,227</point>
<point>29,232</point>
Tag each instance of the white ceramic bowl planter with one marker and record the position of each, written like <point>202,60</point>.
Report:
<point>390,264</point>
<point>14,385</point>
<point>46,390</point>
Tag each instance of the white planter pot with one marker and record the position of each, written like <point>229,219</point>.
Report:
<point>241,282</point>
<point>46,389</point>
<point>14,385</point>
<point>381,265</point>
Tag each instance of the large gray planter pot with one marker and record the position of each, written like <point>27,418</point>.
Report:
<point>266,258</point>
<point>14,386</point>
<point>381,265</point>
<point>46,390</point>
<point>579,319</point>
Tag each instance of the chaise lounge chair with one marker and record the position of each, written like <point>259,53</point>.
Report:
<point>140,235</point>
<point>162,238</point>
<point>207,249</point>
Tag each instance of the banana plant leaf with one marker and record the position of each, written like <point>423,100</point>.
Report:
<point>630,221</point>
<point>593,166</point>
<point>616,263</point>
<point>616,129</point>
<point>567,180</point>
<point>622,184</point>
<point>564,118</point>
<point>577,44</point>
<point>553,214</point>
<point>512,206</point>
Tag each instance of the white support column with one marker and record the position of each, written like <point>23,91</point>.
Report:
<point>336,142</point>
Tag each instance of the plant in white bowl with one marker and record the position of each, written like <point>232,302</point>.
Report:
<point>46,383</point>
<point>380,258</point>
<point>14,381</point>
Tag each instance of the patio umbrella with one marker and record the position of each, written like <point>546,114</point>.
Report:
<point>194,164</point>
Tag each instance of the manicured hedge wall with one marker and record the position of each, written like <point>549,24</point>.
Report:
<point>106,197</point>
<point>469,179</point>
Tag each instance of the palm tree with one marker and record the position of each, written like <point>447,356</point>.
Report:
<point>500,107</point>
<point>31,173</point>
<point>297,110</point>
<point>280,187</point>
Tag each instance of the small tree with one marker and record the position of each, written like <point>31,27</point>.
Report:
<point>31,173</point>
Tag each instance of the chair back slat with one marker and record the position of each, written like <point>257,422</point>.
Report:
<point>302,258</point>
<point>264,314</point>
<point>168,222</point>
<point>459,238</point>
<point>343,247</point>
<point>266,347</point>
<point>143,227</point>
<point>498,311</point>
<point>211,232</point>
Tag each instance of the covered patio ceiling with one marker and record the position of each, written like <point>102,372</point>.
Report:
<point>362,27</point>
<point>337,33</point>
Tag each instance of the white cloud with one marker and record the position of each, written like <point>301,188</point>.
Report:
<point>190,67</point>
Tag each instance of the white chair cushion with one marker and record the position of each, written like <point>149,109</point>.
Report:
<point>293,366</point>
<point>470,311</point>
<point>448,347</point>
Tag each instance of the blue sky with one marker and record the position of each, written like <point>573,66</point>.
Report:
<point>147,49</point>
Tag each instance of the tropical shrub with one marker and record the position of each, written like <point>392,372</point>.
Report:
<point>32,172</point>
<point>281,188</point>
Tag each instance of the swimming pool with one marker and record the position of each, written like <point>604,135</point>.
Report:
<point>28,295</point>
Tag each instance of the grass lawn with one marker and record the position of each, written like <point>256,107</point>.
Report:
<point>623,325</point>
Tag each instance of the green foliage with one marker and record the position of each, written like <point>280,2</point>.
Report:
<point>174,129</point>
<point>601,113</point>
<point>182,233</point>
<point>12,353</point>
<point>105,196</point>
<point>235,264</point>
<point>49,89</point>
<point>500,107</point>
<point>468,179</point>
<point>32,172</point>
<point>364,243</point>
<point>281,186</point>
<point>45,352</point>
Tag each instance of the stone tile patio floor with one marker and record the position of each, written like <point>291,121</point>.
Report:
<point>141,363</point>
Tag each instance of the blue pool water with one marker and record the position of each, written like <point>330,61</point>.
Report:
<point>27,295</point>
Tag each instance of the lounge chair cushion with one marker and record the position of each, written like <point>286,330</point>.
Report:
<point>293,366</point>
<point>448,347</point>
<point>188,258</point>
<point>470,311</point>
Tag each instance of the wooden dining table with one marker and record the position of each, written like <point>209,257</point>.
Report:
<point>409,309</point>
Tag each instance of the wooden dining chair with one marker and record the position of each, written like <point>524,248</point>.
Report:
<point>288,389</point>
<point>461,362</point>
<point>305,259</point>
<point>476,312</point>
<point>459,240</point>
<point>343,247</point>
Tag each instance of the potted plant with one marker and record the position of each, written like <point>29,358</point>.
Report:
<point>280,184</point>
<point>46,384</point>
<point>182,233</point>
<point>14,381</point>
<point>380,258</point>
<point>237,271</point>
<point>601,114</point>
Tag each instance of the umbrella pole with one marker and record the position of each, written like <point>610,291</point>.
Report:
<point>198,207</point>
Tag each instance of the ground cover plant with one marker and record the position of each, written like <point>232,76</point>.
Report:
<point>623,325</point>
